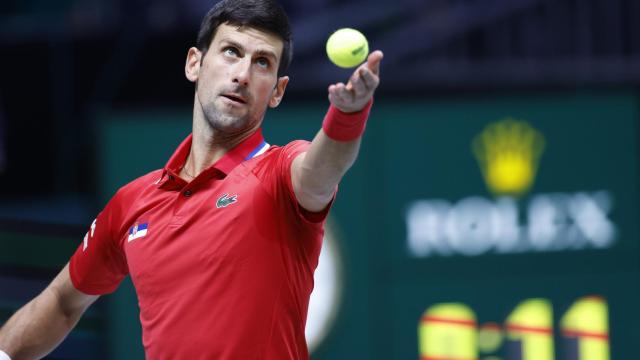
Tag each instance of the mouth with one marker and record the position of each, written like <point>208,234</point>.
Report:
<point>235,98</point>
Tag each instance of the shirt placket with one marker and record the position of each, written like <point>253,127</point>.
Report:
<point>186,194</point>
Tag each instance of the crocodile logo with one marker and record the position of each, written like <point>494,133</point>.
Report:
<point>226,200</point>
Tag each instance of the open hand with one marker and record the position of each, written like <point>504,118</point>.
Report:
<point>360,88</point>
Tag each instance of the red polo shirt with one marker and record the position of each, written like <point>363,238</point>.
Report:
<point>223,265</point>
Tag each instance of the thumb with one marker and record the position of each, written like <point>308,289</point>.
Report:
<point>373,61</point>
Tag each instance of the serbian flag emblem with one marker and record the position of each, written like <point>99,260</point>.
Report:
<point>138,231</point>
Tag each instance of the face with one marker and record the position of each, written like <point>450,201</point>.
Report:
<point>237,78</point>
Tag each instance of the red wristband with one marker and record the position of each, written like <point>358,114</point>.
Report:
<point>342,126</point>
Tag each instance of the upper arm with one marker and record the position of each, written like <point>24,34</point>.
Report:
<point>99,263</point>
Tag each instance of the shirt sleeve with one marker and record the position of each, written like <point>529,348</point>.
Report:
<point>99,265</point>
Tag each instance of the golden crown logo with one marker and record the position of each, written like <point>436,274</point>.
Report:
<point>508,152</point>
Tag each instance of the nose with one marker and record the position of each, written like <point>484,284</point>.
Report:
<point>242,72</point>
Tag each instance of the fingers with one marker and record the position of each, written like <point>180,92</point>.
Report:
<point>361,86</point>
<point>369,79</point>
<point>366,76</point>
<point>358,84</point>
<point>340,93</point>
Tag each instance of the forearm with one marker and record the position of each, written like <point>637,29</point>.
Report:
<point>332,152</point>
<point>37,328</point>
<point>316,173</point>
<point>325,163</point>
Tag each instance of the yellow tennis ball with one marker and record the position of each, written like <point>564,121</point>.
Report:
<point>347,48</point>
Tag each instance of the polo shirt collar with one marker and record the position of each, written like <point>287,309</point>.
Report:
<point>251,147</point>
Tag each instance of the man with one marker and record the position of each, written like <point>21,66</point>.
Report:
<point>222,243</point>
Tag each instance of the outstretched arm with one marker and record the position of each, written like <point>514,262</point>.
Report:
<point>316,173</point>
<point>38,327</point>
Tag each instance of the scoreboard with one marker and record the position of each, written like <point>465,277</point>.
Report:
<point>517,227</point>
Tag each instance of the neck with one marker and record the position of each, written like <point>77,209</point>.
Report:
<point>210,145</point>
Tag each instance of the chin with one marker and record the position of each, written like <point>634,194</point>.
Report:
<point>229,124</point>
<point>222,121</point>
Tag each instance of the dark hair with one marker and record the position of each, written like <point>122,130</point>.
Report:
<point>265,15</point>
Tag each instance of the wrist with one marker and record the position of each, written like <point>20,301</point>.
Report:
<point>341,126</point>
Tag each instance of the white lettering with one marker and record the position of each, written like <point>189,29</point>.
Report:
<point>93,226</point>
<point>590,215</point>
<point>507,228</point>
<point>425,221</point>
<point>86,236</point>
<point>469,226</point>
<point>476,225</point>
<point>546,221</point>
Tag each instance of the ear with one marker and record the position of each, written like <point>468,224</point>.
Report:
<point>192,66</point>
<point>278,91</point>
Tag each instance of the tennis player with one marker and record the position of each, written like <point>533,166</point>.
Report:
<point>222,243</point>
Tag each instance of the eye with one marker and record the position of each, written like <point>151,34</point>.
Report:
<point>230,51</point>
<point>263,62</point>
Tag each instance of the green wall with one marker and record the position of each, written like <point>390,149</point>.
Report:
<point>421,150</point>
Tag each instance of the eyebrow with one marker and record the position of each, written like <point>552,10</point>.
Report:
<point>261,52</point>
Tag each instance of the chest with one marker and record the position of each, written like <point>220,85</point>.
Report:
<point>184,238</point>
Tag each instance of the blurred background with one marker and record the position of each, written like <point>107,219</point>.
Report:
<point>493,211</point>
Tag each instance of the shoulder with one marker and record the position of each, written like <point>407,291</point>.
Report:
<point>296,146</point>
<point>115,211</point>
<point>277,153</point>
<point>137,187</point>
<point>292,148</point>
<point>276,160</point>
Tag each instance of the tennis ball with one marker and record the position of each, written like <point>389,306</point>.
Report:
<point>347,48</point>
